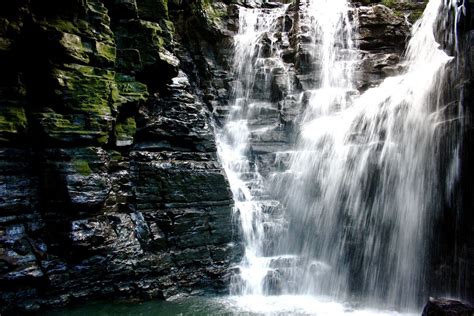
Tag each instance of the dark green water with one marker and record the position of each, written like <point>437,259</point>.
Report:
<point>237,305</point>
<point>190,306</point>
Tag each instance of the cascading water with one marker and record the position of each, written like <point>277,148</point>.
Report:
<point>350,218</point>
<point>367,184</point>
<point>310,191</point>
<point>233,141</point>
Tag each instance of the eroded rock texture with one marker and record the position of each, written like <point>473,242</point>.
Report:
<point>110,184</point>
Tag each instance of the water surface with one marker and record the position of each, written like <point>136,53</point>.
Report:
<point>229,305</point>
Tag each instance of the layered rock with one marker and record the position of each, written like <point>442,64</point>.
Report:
<point>110,183</point>
<point>382,36</point>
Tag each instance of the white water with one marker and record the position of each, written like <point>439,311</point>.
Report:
<point>374,160</point>
<point>233,141</point>
<point>298,305</point>
<point>362,187</point>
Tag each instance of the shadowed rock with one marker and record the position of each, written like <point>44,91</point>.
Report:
<point>446,307</point>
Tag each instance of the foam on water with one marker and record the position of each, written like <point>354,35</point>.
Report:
<point>298,305</point>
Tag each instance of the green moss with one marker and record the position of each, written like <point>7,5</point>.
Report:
<point>211,12</point>
<point>130,90</point>
<point>389,3</point>
<point>156,11</point>
<point>153,31</point>
<point>115,156</point>
<point>415,15</point>
<point>147,38</point>
<point>85,89</point>
<point>73,128</point>
<point>103,139</point>
<point>414,10</point>
<point>169,26</point>
<point>106,52</point>
<point>96,28</point>
<point>12,119</point>
<point>63,26</point>
<point>92,71</point>
<point>81,167</point>
<point>126,128</point>
<point>73,47</point>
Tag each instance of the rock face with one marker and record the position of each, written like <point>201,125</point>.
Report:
<point>454,251</point>
<point>444,307</point>
<point>110,182</point>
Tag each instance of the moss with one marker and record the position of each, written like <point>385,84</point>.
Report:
<point>115,156</point>
<point>212,13</point>
<point>73,47</point>
<point>131,90</point>
<point>414,10</point>
<point>81,167</point>
<point>64,26</point>
<point>85,89</point>
<point>169,26</point>
<point>103,139</point>
<point>156,11</point>
<point>126,128</point>
<point>153,31</point>
<point>147,39</point>
<point>73,128</point>
<point>12,119</point>
<point>96,28</point>
<point>389,3</point>
<point>415,15</point>
<point>92,71</point>
<point>106,52</point>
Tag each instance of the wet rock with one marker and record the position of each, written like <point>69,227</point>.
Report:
<point>381,28</point>
<point>272,283</point>
<point>374,67</point>
<point>445,307</point>
<point>110,183</point>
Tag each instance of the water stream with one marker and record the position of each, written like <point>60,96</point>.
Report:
<point>349,216</point>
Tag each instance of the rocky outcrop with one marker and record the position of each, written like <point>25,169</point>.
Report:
<point>445,307</point>
<point>382,36</point>
<point>110,183</point>
<point>453,252</point>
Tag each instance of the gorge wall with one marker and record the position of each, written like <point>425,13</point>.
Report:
<point>110,183</point>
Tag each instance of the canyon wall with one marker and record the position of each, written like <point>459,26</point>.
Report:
<point>110,182</point>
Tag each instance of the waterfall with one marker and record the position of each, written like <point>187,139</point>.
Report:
<point>256,25</point>
<point>350,216</point>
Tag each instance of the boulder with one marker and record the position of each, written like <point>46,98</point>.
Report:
<point>447,307</point>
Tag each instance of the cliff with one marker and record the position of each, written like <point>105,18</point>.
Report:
<point>110,183</point>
